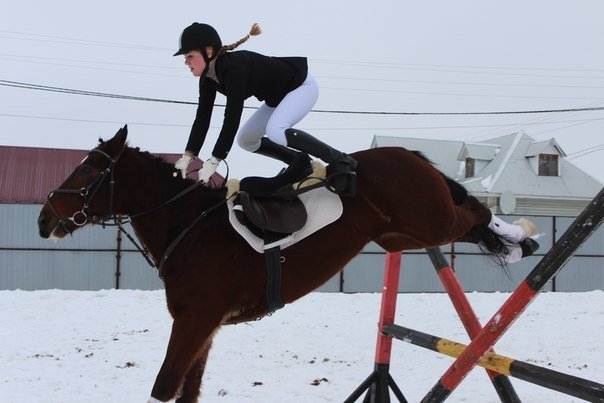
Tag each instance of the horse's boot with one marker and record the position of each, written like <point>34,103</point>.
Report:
<point>528,246</point>
<point>298,168</point>
<point>341,175</point>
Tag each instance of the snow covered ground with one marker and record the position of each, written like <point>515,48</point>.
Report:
<point>107,346</point>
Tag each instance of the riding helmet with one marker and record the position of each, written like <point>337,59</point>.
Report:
<point>198,36</point>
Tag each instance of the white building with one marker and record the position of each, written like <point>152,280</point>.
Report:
<point>512,174</point>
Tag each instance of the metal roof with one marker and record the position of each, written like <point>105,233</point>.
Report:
<point>539,146</point>
<point>28,174</point>
<point>443,153</point>
<point>485,152</point>
<point>509,169</point>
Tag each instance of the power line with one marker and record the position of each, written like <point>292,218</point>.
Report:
<point>449,70</point>
<point>94,121</point>
<point>77,41</point>
<point>587,151</point>
<point>387,64</point>
<point>25,59</point>
<point>309,128</point>
<point>40,87</point>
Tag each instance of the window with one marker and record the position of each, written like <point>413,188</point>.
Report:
<point>470,163</point>
<point>548,165</point>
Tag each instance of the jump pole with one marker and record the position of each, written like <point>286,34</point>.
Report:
<point>558,381</point>
<point>380,381</point>
<point>549,266</point>
<point>501,382</point>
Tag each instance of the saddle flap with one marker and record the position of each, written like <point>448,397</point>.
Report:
<point>283,215</point>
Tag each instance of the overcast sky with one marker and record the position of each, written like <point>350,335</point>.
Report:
<point>383,56</point>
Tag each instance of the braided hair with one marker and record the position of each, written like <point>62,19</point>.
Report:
<point>255,30</point>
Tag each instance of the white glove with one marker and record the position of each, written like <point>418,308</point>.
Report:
<point>208,169</point>
<point>182,164</point>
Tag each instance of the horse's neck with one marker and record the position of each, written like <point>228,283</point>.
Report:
<point>160,222</point>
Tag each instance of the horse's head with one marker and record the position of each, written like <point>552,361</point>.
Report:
<point>86,193</point>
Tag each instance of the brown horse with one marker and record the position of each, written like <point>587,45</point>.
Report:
<point>213,277</point>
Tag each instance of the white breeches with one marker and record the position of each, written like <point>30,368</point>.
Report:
<point>274,121</point>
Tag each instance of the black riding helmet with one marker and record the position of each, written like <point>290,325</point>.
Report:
<point>198,36</point>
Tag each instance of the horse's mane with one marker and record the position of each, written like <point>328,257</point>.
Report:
<point>166,169</point>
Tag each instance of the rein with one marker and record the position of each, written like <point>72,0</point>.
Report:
<point>83,217</point>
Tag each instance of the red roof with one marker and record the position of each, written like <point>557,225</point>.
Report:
<point>28,174</point>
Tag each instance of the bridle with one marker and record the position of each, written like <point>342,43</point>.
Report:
<point>83,216</point>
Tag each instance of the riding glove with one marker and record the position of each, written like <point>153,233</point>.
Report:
<point>208,169</point>
<point>182,164</point>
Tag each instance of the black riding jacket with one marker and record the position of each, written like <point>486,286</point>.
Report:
<point>242,74</point>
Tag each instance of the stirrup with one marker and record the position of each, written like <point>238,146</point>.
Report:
<point>343,179</point>
<point>342,183</point>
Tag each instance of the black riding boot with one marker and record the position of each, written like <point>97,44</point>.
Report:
<point>298,168</point>
<point>341,166</point>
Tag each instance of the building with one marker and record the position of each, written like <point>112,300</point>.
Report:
<point>512,174</point>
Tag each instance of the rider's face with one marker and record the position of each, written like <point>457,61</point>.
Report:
<point>195,62</point>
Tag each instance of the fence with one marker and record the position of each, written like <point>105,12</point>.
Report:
<point>98,258</point>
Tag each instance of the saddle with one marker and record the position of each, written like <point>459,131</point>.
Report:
<point>278,215</point>
<point>274,219</point>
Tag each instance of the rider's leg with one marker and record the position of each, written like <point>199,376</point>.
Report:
<point>340,164</point>
<point>298,164</point>
<point>250,138</point>
<point>288,113</point>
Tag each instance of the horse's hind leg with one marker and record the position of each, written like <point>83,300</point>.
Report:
<point>189,341</point>
<point>192,384</point>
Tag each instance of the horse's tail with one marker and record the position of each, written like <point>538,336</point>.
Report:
<point>491,244</point>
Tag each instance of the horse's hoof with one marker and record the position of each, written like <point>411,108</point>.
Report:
<point>528,246</point>
<point>528,227</point>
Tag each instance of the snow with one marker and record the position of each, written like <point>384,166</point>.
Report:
<point>107,346</point>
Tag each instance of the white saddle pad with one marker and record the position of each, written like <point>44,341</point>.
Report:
<point>322,206</point>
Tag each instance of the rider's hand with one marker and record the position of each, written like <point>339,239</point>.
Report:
<point>183,163</point>
<point>208,169</point>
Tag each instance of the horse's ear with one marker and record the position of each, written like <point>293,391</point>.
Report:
<point>121,135</point>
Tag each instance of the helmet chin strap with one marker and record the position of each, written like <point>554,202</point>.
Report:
<point>207,59</point>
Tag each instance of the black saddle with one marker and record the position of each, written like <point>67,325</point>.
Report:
<point>276,214</point>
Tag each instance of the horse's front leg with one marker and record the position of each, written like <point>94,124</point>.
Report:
<point>190,389</point>
<point>190,340</point>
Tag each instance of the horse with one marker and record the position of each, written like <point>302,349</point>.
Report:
<point>213,277</point>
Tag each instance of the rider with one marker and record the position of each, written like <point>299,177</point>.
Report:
<point>288,92</point>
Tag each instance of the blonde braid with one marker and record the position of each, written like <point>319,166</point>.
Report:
<point>253,32</point>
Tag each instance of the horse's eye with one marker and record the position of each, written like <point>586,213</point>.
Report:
<point>86,169</point>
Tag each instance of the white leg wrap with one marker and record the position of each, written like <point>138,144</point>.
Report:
<point>513,233</point>
<point>528,227</point>
<point>515,254</point>
<point>153,400</point>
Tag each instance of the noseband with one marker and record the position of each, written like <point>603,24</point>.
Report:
<point>82,217</point>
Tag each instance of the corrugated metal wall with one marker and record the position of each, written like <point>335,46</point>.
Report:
<point>88,261</point>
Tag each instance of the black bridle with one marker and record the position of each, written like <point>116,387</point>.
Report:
<point>83,216</point>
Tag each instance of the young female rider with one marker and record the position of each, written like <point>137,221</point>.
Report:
<point>288,92</point>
